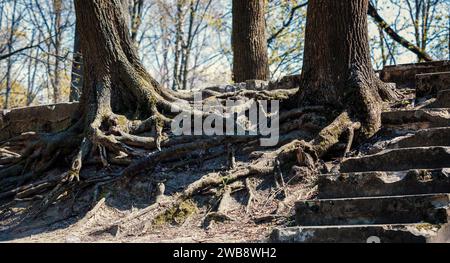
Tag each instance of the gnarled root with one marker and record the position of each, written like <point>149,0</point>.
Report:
<point>142,145</point>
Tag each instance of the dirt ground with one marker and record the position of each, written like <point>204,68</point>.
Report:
<point>81,219</point>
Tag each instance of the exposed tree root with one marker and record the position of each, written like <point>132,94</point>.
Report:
<point>220,215</point>
<point>251,195</point>
<point>141,145</point>
<point>125,115</point>
<point>295,152</point>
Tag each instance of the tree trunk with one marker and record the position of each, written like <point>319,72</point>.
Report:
<point>76,82</point>
<point>178,41</point>
<point>9,62</point>
<point>136,19</point>
<point>114,80</point>
<point>337,69</point>
<point>57,6</point>
<point>249,41</point>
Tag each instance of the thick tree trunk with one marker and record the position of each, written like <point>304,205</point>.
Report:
<point>337,69</point>
<point>114,78</point>
<point>124,116</point>
<point>249,41</point>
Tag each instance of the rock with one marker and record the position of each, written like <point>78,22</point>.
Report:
<point>422,138</point>
<point>373,210</point>
<point>287,82</point>
<point>399,233</point>
<point>432,83</point>
<point>225,88</point>
<point>405,75</point>
<point>416,119</point>
<point>370,184</point>
<point>400,160</point>
<point>442,100</point>
<point>256,84</point>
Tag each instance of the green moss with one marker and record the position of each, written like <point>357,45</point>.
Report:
<point>153,101</point>
<point>427,227</point>
<point>122,121</point>
<point>177,215</point>
<point>159,122</point>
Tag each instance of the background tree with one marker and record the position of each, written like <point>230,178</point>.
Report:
<point>416,27</point>
<point>203,57</point>
<point>422,14</point>
<point>249,41</point>
<point>76,83</point>
<point>285,22</point>
<point>53,21</point>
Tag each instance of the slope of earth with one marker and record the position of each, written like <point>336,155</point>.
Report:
<point>119,211</point>
<point>393,186</point>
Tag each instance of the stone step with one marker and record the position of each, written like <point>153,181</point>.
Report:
<point>399,160</point>
<point>416,119</point>
<point>442,100</point>
<point>397,233</point>
<point>430,84</point>
<point>405,75</point>
<point>407,209</point>
<point>366,184</point>
<point>422,138</point>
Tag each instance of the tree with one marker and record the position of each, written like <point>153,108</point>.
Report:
<point>249,41</point>
<point>13,28</point>
<point>285,23</point>
<point>337,70</point>
<point>136,18</point>
<point>57,9</point>
<point>122,108</point>
<point>124,113</point>
<point>422,14</point>
<point>114,78</point>
<point>76,82</point>
<point>189,23</point>
<point>420,52</point>
<point>52,19</point>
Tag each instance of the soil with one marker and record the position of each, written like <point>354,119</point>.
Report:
<point>78,219</point>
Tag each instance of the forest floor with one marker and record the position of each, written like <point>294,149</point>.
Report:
<point>118,211</point>
<point>80,221</point>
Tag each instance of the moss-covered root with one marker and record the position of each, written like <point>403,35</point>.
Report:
<point>176,214</point>
<point>330,135</point>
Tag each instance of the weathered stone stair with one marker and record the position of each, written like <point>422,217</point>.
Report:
<point>400,193</point>
<point>408,209</point>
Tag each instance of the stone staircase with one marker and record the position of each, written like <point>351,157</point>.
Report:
<point>396,192</point>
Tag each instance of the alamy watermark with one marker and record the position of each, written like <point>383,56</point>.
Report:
<point>212,117</point>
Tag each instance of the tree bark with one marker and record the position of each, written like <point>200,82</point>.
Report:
<point>337,69</point>
<point>76,82</point>
<point>9,62</point>
<point>136,19</point>
<point>114,81</point>
<point>57,6</point>
<point>178,41</point>
<point>249,41</point>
